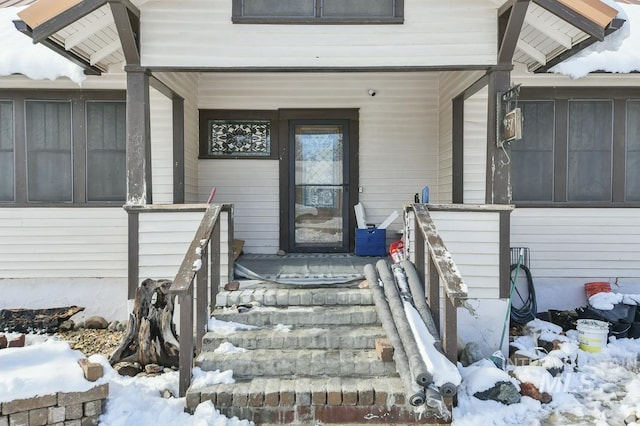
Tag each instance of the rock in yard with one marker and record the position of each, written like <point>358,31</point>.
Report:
<point>96,322</point>
<point>232,286</point>
<point>130,369</point>
<point>471,353</point>
<point>17,342</point>
<point>153,369</point>
<point>504,392</point>
<point>3,341</point>
<point>113,326</point>
<point>67,325</point>
<point>529,389</point>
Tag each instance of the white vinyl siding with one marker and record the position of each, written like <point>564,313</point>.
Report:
<point>451,85</point>
<point>164,238</point>
<point>186,85</point>
<point>200,33</point>
<point>63,242</point>
<point>473,239</point>
<point>475,147</point>
<point>570,247</point>
<point>398,142</point>
<point>161,147</point>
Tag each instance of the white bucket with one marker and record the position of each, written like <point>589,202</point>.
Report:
<point>592,334</point>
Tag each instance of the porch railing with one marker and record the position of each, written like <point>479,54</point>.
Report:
<point>441,273</point>
<point>192,280</point>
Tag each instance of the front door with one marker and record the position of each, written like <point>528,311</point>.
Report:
<point>319,187</point>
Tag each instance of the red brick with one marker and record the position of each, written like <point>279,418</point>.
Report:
<point>224,398</point>
<point>18,342</point>
<point>3,341</point>
<point>365,397</point>
<point>272,399</point>
<point>380,397</point>
<point>240,399</point>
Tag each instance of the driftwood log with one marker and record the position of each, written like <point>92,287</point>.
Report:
<point>150,337</point>
<point>45,320</point>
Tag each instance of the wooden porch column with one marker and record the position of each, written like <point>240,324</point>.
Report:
<point>138,137</point>
<point>498,182</point>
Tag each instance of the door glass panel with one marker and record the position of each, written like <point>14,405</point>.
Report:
<point>319,186</point>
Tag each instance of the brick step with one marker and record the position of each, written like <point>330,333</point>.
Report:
<point>297,363</point>
<point>296,297</point>
<point>340,337</point>
<point>313,401</point>
<point>301,316</point>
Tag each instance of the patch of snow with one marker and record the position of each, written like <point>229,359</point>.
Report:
<point>538,325</point>
<point>201,379</point>
<point>197,264</point>
<point>18,54</point>
<point>227,327</point>
<point>285,328</point>
<point>228,348</point>
<point>618,53</point>
<point>484,377</point>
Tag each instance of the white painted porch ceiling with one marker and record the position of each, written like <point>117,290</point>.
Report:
<point>543,37</point>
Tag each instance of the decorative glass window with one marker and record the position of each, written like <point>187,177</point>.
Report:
<point>239,137</point>
<point>238,134</point>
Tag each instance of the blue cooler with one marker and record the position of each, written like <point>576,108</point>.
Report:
<point>371,242</point>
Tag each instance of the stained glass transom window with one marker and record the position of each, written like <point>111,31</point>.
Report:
<point>239,137</point>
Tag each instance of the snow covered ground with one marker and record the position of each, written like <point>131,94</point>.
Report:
<point>594,389</point>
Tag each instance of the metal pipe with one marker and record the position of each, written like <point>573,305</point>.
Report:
<point>418,369</point>
<point>417,393</point>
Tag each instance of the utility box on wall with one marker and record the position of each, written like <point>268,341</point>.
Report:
<point>371,242</point>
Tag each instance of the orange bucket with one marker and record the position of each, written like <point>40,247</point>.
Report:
<point>596,287</point>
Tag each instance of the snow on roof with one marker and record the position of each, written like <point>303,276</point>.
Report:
<point>618,53</point>
<point>18,54</point>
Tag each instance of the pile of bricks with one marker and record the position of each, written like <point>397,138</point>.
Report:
<point>62,408</point>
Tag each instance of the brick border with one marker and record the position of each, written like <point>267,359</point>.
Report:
<point>62,408</point>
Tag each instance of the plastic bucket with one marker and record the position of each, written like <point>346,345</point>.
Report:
<point>596,287</point>
<point>592,334</point>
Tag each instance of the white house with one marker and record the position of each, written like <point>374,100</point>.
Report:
<point>386,96</point>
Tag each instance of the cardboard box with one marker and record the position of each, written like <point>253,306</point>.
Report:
<point>371,242</point>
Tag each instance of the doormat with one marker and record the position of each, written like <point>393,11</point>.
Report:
<point>303,268</point>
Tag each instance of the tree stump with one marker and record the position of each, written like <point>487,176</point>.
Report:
<point>151,336</point>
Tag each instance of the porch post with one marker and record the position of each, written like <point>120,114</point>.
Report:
<point>138,137</point>
<point>498,182</point>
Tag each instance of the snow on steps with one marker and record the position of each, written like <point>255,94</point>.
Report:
<point>311,360</point>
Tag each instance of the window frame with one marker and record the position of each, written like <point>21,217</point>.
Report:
<point>78,99</point>
<point>561,97</point>
<point>226,114</point>
<point>13,146</point>
<point>238,18</point>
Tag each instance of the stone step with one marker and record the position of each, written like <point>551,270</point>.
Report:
<point>314,401</point>
<point>297,363</point>
<point>340,337</point>
<point>301,316</point>
<point>296,297</point>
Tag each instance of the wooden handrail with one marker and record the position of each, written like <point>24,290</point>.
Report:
<point>442,269</point>
<point>187,272</point>
<point>195,264</point>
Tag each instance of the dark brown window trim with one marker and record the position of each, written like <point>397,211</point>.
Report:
<point>562,96</point>
<point>398,18</point>
<point>77,98</point>
<point>220,114</point>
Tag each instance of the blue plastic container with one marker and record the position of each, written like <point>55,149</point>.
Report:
<point>371,242</point>
<point>425,194</point>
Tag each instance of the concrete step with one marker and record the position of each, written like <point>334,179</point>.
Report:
<point>296,297</point>
<point>314,401</point>
<point>301,316</point>
<point>344,337</point>
<point>297,363</point>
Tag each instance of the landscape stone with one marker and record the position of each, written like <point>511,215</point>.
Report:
<point>67,325</point>
<point>504,392</point>
<point>530,390</point>
<point>96,322</point>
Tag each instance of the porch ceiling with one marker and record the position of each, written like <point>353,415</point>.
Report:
<point>554,30</point>
<point>103,35</point>
<point>98,35</point>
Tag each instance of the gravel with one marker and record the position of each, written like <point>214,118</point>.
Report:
<point>92,341</point>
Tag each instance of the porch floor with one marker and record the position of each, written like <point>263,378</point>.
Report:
<point>303,269</point>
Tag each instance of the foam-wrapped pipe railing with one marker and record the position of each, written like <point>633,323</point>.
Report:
<point>415,392</point>
<point>418,369</point>
<point>420,301</point>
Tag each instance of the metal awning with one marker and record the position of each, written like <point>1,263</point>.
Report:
<point>98,35</point>
<point>554,30</point>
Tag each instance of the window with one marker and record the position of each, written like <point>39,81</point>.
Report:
<point>63,147</point>
<point>318,11</point>
<point>579,146</point>
<point>238,134</point>
<point>6,151</point>
<point>633,151</point>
